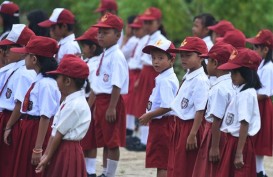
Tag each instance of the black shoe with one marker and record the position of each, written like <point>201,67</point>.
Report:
<point>138,147</point>
<point>261,174</point>
<point>91,175</point>
<point>129,132</point>
<point>131,142</point>
<point>102,175</point>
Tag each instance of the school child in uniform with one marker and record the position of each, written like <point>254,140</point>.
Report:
<point>158,113</point>
<point>235,37</point>
<point>220,95</point>
<point>63,156</point>
<point>61,24</point>
<point>9,14</point>
<point>220,29</point>
<point>110,82</point>
<point>188,105</point>
<point>15,85</point>
<point>91,51</point>
<point>263,141</point>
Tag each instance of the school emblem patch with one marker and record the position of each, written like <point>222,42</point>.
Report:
<point>105,77</point>
<point>229,118</point>
<point>184,103</point>
<point>149,105</point>
<point>30,105</point>
<point>8,93</point>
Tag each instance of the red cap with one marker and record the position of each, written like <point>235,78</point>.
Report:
<point>72,66</point>
<point>137,23</point>
<point>39,45</point>
<point>107,5</point>
<point>243,58</point>
<point>161,44</point>
<point>235,37</point>
<point>264,37</point>
<point>192,44</point>
<point>91,35</point>
<point>151,13</point>
<point>59,15</point>
<point>222,27</point>
<point>19,34</point>
<point>10,8</point>
<point>110,21</point>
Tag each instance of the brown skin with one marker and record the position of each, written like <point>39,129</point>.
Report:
<point>198,29</point>
<point>58,33</point>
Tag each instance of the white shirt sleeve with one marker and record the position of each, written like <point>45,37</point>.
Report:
<point>200,94</point>
<point>245,107</point>
<point>119,71</point>
<point>166,94</point>
<point>218,103</point>
<point>266,78</point>
<point>23,84</point>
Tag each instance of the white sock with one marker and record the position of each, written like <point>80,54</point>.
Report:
<point>260,164</point>
<point>104,170</point>
<point>130,122</point>
<point>111,168</point>
<point>90,165</point>
<point>144,131</point>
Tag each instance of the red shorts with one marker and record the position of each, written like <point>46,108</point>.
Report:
<point>263,140</point>
<point>144,89</point>
<point>157,149</point>
<point>226,166</point>
<point>68,161</point>
<point>181,162</point>
<point>109,135</point>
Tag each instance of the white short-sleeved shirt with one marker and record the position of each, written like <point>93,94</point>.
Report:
<point>113,71</point>
<point>192,95</point>
<point>3,72</point>
<point>44,97</point>
<point>166,87</point>
<point>146,58</point>
<point>17,86</point>
<point>243,106</point>
<point>73,117</point>
<point>128,48</point>
<point>135,61</point>
<point>120,40</point>
<point>265,73</point>
<point>220,95</point>
<point>68,45</point>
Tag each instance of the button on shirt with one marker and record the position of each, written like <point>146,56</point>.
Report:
<point>243,106</point>
<point>166,87</point>
<point>220,95</point>
<point>265,73</point>
<point>113,71</point>
<point>192,95</point>
<point>73,117</point>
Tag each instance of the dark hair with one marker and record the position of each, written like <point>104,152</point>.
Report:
<point>79,83</point>
<point>207,20</point>
<point>250,76</point>
<point>8,21</point>
<point>131,19</point>
<point>34,17</point>
<point>47,64</point>
<point>162,30</point>
<point>70,27</point>
<point>98,50</point>
<point>268,56</point>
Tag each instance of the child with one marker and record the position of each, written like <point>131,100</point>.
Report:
<point>158,113</point>
<point>220,95</point>
<point>188,105</point>
<point>236,38</point>
<point>63,156</point>
<point>61,24</point>
<point>242,117</point>
<point>16,82</point>
<point>263,141</point>
<point>110,82</point>
<point>220,29</point>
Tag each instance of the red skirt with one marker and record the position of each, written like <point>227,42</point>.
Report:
<point>29,132</point>
<point>8,153</point>
<point>109,135</point>
<point>157,149</point>
<point>130,97</point>
<point>203,165</point>
<point>263,140</point>
<point>227,168</point>
<point>68,161</point>
<point>181,162</point>
<point>144,89</point>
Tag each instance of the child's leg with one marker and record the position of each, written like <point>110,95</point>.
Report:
<point>161,173</point>
<point>90,160</point>
<point>112,161</point>
<point>260,164</point>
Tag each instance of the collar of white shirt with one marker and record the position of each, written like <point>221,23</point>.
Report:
<point>73,95</point>
<point>261,64</point>
<point>68,38</point>
<point>7,67</point>
<point>193,74</point>
<point>165,73</point>
<point>19,64</point>
<point>111,49</point>
<point>155,35</point>
<point>38,77</point>
<point>238,89</point>
<point>207,39</point>
<point>221,78</point>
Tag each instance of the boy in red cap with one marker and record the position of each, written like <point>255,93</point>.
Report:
<point>63,156</point>
<point>242,117</point>
<point>110,82</point>
<point>15,85</point>
<point>61,24</point>
<point>189,106</point>
<point>263,141</point>
<point>220,29</point>
<point>220,95</point>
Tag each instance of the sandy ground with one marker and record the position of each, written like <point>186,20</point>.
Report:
<point>132,164</point>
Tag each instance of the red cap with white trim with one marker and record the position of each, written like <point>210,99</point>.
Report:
<point>10,8</point>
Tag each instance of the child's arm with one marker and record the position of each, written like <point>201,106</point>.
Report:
<point>111,110</point>
<point>92,98</point>
<point>239,161</point>
<point>214,152</point>
<point>145,118</point>
<point>191,140</point>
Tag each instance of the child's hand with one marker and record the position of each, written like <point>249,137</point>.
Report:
<point>191,142</point>
<point>111,115</point>
<point>35,158</point>
<point>136,84</point>
<point>41,166</point>
<point>144,119</point>
<point>7,137</point>
<point>239,161</point>
<point>214,154</point>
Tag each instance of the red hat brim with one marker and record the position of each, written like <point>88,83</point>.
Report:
<point>100,25</point>
<point>19,50</point>
<point>228,66</point>
<point>135,26</point>
<point>46,23</point>
<point>6,42</point>
<point>55,72</point>
<point>253,41</point>
<point>147,18</point>
<point>204,55</point>
<point>81,38</point>
<point>180,50</point>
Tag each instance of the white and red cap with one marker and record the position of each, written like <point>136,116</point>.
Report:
<point>59,15</point>
<point>19,34</point>
<point>10,8</point>
<point>161,44</point>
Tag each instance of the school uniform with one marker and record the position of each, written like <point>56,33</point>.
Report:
<point>220,95</point>
<point>113,71</point>
<point>71,120</point>
<point>128,48</point>
<point>243,107</point>
<point>192,97</point>
<point>163,94</point>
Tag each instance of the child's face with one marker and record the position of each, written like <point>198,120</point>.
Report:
<point>108,37</point>
<point>151,26</point>
<point>212,67</point>
<point>214,36</point>
<point>30,61</point>
<point>190,60</point>
<point>160,61</point>
<point>198,29</point>
<point>139,32</point>
<point>88,51</point>
<point>63,82</point>
<point>56,32</point>
<point>261,51</point>
<point>2,58</point>
<point>237,78</point>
